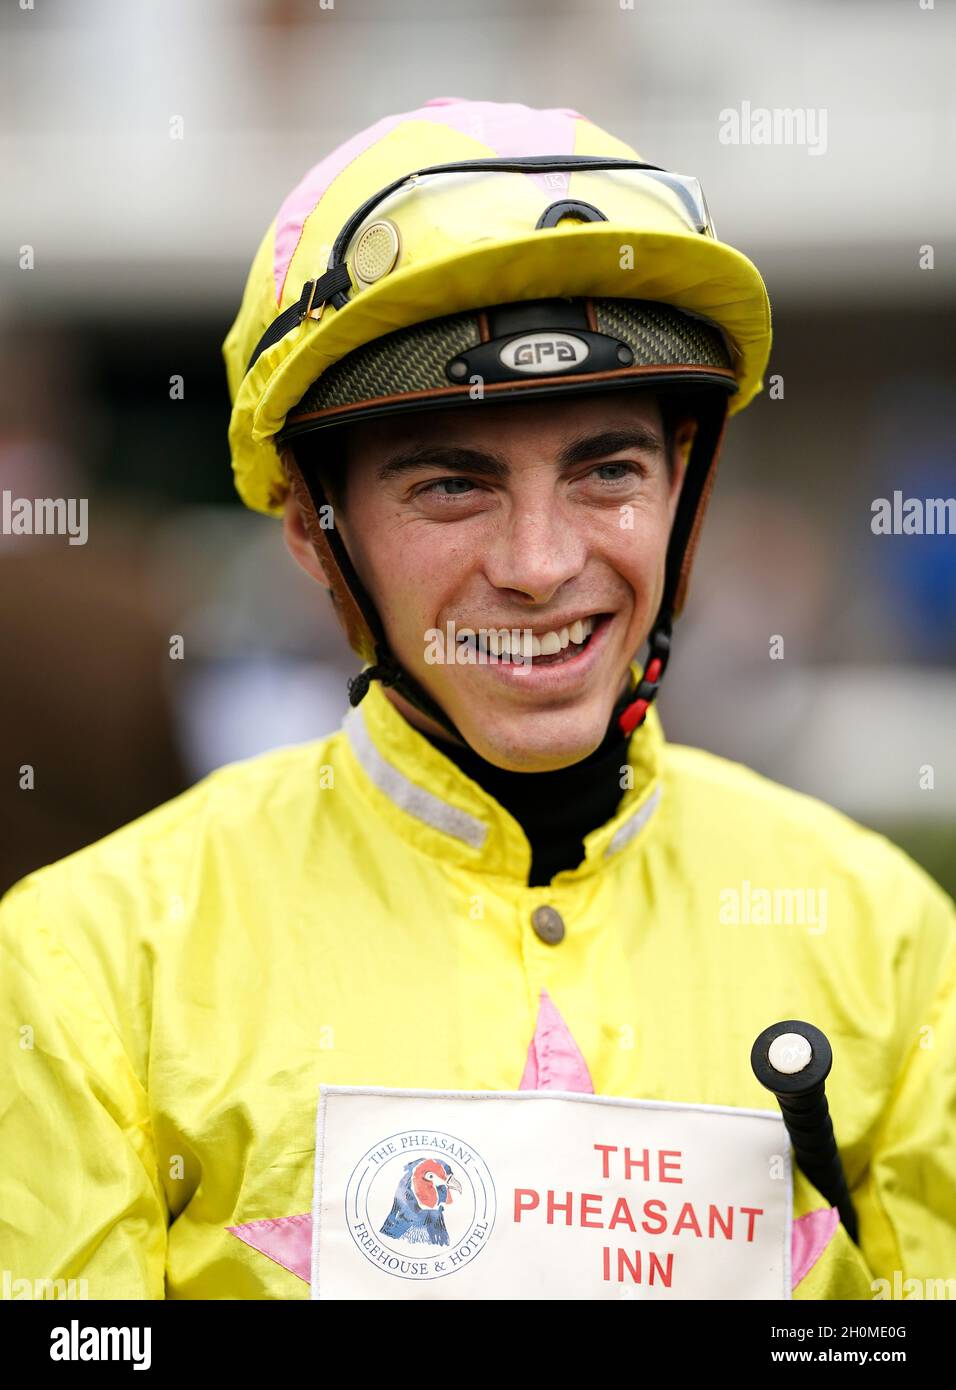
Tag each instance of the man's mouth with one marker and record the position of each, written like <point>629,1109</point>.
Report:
<point>522,646</point>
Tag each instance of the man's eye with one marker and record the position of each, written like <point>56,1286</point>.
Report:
<point>457,486</point>
<point>624,470</point>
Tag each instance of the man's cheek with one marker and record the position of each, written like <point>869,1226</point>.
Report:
<point>638,558</point>
<point>416,625</point>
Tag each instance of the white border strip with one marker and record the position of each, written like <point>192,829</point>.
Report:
<point>407,795</point>
<point>626,832</point>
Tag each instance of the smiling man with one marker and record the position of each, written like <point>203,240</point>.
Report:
<point>481,371</point>
<point>546,520</point>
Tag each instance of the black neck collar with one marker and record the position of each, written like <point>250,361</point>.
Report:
<point>555,809</point>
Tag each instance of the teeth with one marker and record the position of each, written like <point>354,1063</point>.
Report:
<point>503,643</point>
<point>550,643</point>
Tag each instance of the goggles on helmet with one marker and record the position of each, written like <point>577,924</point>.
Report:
<point>335,285</point>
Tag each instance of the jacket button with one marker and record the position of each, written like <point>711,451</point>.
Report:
<point>548,925</point>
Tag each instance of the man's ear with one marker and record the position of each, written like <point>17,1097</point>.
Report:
<point>298,543</point>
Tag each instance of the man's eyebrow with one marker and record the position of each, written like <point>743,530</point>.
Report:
<point>591,446</point>
<point>453,457</point>
<point>458,458</point>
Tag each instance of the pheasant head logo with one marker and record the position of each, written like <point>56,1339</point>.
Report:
<point>418,1210</point>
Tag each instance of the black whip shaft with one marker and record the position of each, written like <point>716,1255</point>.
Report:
<point>792,1059</point>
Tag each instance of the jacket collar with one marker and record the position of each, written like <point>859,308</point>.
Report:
<point>435,806</point>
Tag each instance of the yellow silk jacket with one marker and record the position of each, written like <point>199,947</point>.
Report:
<point>355,911</point>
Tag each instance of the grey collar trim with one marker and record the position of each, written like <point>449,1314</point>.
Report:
<point>407,795</point>
<point>629,829</point>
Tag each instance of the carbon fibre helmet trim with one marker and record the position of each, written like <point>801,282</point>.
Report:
<point>420,361</point>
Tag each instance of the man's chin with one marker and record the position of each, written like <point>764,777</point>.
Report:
<point>519,740</point>
<point>535,742</point>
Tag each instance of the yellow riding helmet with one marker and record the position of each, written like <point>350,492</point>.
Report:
<point>471,241</point>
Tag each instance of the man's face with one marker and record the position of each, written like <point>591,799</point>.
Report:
<point>540,515</point>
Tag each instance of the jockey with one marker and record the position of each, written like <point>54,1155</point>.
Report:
<point>497,876</point>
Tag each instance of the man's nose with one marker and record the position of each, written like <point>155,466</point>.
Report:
<point>537,549</point>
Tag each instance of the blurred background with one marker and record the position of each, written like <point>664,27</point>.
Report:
<point>140,248</point>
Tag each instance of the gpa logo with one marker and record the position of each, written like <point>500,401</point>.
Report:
<point>420,1204</point>
<point>544,352</point>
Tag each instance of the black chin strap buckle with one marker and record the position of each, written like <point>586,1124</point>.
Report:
<point>385,670</point>
<point>658,657</point>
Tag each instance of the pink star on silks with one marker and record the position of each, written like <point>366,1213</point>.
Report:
<point>554,1063</point>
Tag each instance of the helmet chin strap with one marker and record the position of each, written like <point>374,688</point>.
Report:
<point>387,670</point>
<point>328,544</point>
<point>659,650</point>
